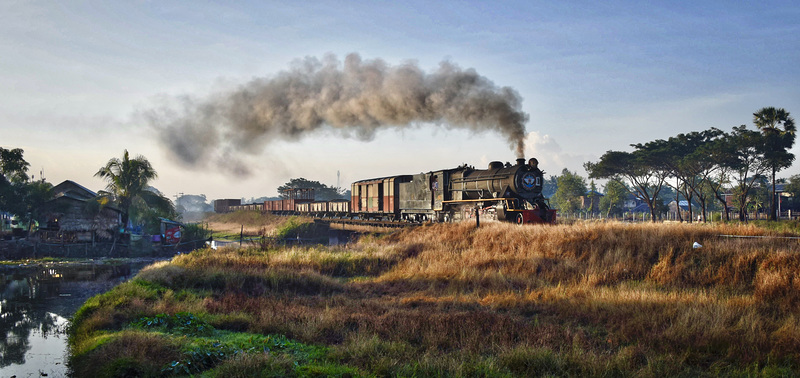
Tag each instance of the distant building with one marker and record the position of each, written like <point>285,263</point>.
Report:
<point>682,206</point>
<point>591,201</point>
<point>635,204</point>
<point>6,222</point>
<point>74,214</point>
<point>780,191</point>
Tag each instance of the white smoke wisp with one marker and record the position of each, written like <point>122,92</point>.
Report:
<point>355,98</point>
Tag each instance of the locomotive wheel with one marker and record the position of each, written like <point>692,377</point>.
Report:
<point>520,219</point>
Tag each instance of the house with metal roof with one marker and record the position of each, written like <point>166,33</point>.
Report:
<point>75,214</point>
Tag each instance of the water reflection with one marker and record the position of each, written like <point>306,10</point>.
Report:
<point>35,303</point>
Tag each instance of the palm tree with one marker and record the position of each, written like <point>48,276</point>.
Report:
<point>778,128</point>
<point>128,183</point>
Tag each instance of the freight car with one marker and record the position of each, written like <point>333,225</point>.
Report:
<point>504,192</point>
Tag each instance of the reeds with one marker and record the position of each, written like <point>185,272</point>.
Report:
<point>581,299</point>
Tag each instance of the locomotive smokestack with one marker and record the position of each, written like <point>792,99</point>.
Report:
<point>354,98</point>
<point>521,161</point>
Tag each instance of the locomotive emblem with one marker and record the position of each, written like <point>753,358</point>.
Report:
<point>528,180</point>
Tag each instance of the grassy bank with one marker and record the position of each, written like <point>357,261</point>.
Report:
<point>249,223</point>
<point>451,300</point>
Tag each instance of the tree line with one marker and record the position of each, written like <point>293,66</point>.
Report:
<point>127,189</point>
<point>701,166</point>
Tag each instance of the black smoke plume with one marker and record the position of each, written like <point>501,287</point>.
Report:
<point>354,97</point>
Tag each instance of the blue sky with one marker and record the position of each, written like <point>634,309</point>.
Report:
<point>593,76</point>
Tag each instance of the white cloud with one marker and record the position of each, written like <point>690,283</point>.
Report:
<point>552,158</point>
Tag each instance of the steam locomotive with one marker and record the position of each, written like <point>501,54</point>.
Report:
<point>504,192</point>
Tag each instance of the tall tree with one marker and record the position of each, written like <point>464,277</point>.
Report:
<point>666,156</point>
<point>12,165</point>
<point>570,189</point>
<point>779,131</point>
<point>613,200</point>
<point>13,173</point>
<point>687,159</point>
<point>747,164</point>
<point>128,181</point>
<point>793,189</point>
<point>18,195</point>
<point>642,168</point>
<point>702,164</point>
<point>322,192</point>
<point>722,156</point>
<point>593,197</point>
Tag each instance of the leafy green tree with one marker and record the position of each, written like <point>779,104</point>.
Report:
<point>149,216</point>
<point>722,156</point>
<point>13,167</point>
<point>793,189</point>
<point>613,200</point>
<point>682,157</point>
<point>18,195</point>
<point>128,183</point>
<point>34,195</point>
<point>667,156</point>
<point>570,189</point>
<point>703,166</point>
<point>793,186</point>
<point>779,130</point>
<point>322,192</point>
<point>693,165</point>
<point>747,164</point>
<point>666,196</point>
<point>13,173</point>
<point>643,169</point>
<point>758,198</point>
<point>593,196</point>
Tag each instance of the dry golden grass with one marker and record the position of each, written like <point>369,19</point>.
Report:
<point>450,299</point>
<point>248,222</point>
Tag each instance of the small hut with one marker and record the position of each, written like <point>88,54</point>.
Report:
<point>75,214</point>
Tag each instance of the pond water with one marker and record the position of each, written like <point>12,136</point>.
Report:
<point>36,302</point>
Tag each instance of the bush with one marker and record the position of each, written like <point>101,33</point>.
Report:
<point>296,228</point>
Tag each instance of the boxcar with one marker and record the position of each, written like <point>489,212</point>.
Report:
<point>377,198</point>
<point>320,207</point>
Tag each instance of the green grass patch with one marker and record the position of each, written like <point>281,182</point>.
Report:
<point>204,348</point>
<point>296,227</point>
<point>786,227</point>
<point>197,348</point>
